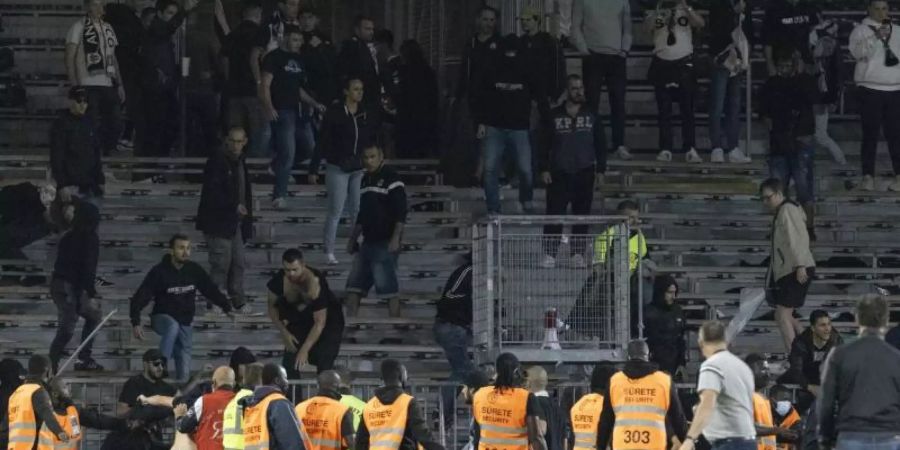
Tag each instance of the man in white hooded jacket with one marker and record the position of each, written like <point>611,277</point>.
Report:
<point>875,44</point>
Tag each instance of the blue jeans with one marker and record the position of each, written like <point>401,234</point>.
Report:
<point>495,143</point>
<point>455,340</point>
<point>797,166</point>
<point>373,264</point>
<point>287,129</point>
<point>868,441</point>
<point>174,343</point>
<point>725,98</point>
<point>734,444</point>
<point>343,194</point>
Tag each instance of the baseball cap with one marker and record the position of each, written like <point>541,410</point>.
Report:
<point>530,12</point>
<point>77,93</point>
<point>153,355</point>
<point>241,355</point>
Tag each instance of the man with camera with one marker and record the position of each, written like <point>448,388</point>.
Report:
<point>874,45</point>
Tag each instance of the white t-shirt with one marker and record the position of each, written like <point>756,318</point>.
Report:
<point>681,29</point>
<point>732,379</point>
<point>106,46</point>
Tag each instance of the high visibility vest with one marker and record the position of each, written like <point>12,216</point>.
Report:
<point>356,405</point>
<point>501,416</point>
<point>69,422</point>
<point>789,421</point>
<point>762,416</point>
<point>255,426</point>
<point>640,406</point>
<point>322,418</point>
<point>23,430</point>
<point>232,435</point>
<point>585,416</point>
<point>386,423</point>
<point>637,247</point>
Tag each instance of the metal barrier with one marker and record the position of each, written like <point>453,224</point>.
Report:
<point>561,312</point>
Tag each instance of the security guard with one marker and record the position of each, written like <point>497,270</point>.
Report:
<point>232,435</point>
<point>785,415</point>
<point>353,402</point>
<point>507,417</point>
<point>30,408</point>
<point>269,421</point>
<point>641,406</point>
<point>392,420</point>
<point>767,433</point>
<point>637,245</point>
<point>73,420</point>
<point>328,422</point>
<point>585,413</point>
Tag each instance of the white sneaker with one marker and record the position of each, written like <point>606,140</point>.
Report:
<point>279,203</point>
<point>623,153</point>
<point>895,185</point>
<point>330,259</point>
<point>664,156</point>
<point>693,157</point>
<point>736,156</point>
<point>717,156</point>
<point>868,183</point>
<point>548,262</point>
<point>577,261</point>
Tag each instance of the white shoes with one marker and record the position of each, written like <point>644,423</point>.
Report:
<point>577,261</point>
<point>868,183</point>
<point>548,262</point>
<point>279,203</point>
<point>664,156</point>
<point>693,157</point>
<point>717,156</point>
<point>736,156</point>
<point>895,186</point>
<point>330,259</point>
<point>623,153</point>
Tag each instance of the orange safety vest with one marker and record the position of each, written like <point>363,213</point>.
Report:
<point>585,416</point>
<point>255,426</point>
<point>762,416</point>
<point>22,422</point>
<point>322,418</point>
<point>789,421</point>
<point>386,423</point>
<point>640,406</point>
<point>72,426</point>
<point>501,415</point>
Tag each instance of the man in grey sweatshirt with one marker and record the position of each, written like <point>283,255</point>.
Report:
<point>601,31</point>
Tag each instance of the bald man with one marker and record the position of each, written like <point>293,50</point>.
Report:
<point>328,422</point>
<point>204,420</point>
<point>551,425</point>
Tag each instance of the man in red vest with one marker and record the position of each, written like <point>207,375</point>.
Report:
<point>204,419</point>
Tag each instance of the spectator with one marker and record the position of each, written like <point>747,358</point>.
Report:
<point>665,328</point>
<point>282,90</point>
<point>319,58</point>
<point>601,31</point>
<point>172,286</point>
<point>786,28</point>
<point>91,63</point>
<point>514,414</point>
<point>269,415</point>
<point>416,102</point>
<point>29,408</point>
<point>72,286</point>
<point>286,13</point>
<point>875,47</point>
<point>161,75</point>
<point>572,167</point>
<point>150,419</point>
<point>859,407</point>
<point>585,413</point>
<point>380,222</point>
<point>232,432</point>
<point>552,422</point>
<point>503,122</point>
<point>725,385</point>
<point>730,26</point>
<point>356,59</point>
<point>346,130</point>
<point>75,156</point>
<point>388,62</point>
<point>204,420</point>
<point>767,432</point>
<point>225,215</point>
<point>394,416</point>
<point>672,73</point>
<point>28,212</point>
<point>244,105</point>
<point>125,19</point>
<point>241,359</point>
<point>201,86</point>
<point>453,328</point>
<point>542,52</point>
<point>791,265</point>
<point>827,68</point>
<point>787,102</point>
<point>328,423</point>
<point>809,350</point>
<point>306,312</point>
<point>12,373</point>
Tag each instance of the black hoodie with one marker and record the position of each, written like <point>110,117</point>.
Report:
<point>415,435</point>
<point>174,291</point>
<point>664,326</point>
<point>675,421</point>
<point>79,249</point>
<point>806,359</point>
<point>75,153</point>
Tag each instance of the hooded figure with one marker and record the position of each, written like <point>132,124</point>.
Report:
<point>664,326</point>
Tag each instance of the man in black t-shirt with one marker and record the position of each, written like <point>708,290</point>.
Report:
<point>244,106</point>
<point>786,28</point>
<point>453,328</point>
<point>283,82</point>
<point>150,418</point>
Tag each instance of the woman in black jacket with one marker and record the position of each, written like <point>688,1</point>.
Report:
<point>417,104</point>
<point>346,130</point>
<point>664,326</point>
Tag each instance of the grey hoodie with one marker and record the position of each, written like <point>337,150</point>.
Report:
<point>602,26</point>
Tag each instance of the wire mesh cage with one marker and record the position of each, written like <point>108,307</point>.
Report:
<point>551,288</point>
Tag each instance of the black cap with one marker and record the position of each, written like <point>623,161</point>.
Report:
<point>77,93</point>
<point>241,355</point>
<point>153,355</point>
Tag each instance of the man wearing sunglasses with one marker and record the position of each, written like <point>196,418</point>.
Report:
<point>147,420</point>
<point>74,153</point>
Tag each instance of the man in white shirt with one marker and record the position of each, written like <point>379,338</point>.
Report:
<point>91,63</point>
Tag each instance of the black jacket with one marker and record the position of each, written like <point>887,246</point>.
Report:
<point>416,432</point>
<point>160,70</point>
<point>75,153</point>
<point>788,103</point>
<point>342,137</point>
<point>675,421</point>
<point>476,57</point>
<point>382,204</point>
<point>544,54</point>
<point>664,326</point>
<point>723,20</point>
<point>174,291</point>
<point>455,305</point>
<point>320,64</point>
<point>860,389</point>
<point>355,60</point>
<point>806,359</point>
<point>79,250</point>
<point>217,212</point>
<point>573,144</point>
<point>507,92</point>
